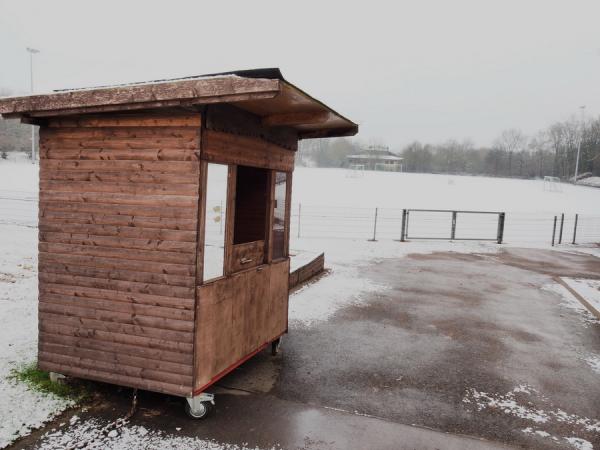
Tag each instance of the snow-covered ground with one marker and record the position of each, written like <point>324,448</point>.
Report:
<point>330,203</point>
<point>588,289</point>
<point>591,181</point>
<point>96,435</point>
<point>517,403</point>
<point>344,286</point>
<point>22,409</point>
<point>333,187</point>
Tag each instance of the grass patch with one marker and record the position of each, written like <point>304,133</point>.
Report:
<point>39,380</point>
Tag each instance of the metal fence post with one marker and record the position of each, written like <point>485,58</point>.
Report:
<point>406,229</point>
<point>374,227</point>
<point>501,218</point>
<point>299,214</point>
<point>575,227</point>
<point>554,231</point>
<point>562,222</point>
<point>403,232</point>
<point>453,230</point>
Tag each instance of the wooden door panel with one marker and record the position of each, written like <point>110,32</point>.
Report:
<point>234,318</point>
<point>248,255</point>
<point>277,319</point>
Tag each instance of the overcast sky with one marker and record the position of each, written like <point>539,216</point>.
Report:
<point>404,70</point>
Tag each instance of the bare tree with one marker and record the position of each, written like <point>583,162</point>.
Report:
<point>511,141</point>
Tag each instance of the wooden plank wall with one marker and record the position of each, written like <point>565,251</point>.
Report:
<point>307,271</point>
<point>237,315</point>
<point>117,251</point>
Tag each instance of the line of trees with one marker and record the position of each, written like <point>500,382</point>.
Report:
<point>14,136</point>
<point>550,152</point>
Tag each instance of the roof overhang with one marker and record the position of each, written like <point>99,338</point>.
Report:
<point>263,92</point>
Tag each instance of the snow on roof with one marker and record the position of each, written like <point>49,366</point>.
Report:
<point>263,92</point>
<point>376,156</point>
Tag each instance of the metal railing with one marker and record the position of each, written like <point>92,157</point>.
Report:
<point>20,209</point>
<point>340,222</point>
<point>472,230</point>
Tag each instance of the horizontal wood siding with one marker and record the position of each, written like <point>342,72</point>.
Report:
<point>307,271</point>
<point>117,251</point>
<point>221,147</point>
<point>237,315</point>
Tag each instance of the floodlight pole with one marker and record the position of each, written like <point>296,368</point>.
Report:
<point>32,51</point>
<point>579,144</point>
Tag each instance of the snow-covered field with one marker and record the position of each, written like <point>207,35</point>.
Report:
<point>335,187</point>
<point>337,203</point>
<point>22,409</point>
<point>330,203</point>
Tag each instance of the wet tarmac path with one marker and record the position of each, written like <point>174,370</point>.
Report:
<point>472,345</point>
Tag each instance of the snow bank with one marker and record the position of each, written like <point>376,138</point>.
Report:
<point>590,181</point>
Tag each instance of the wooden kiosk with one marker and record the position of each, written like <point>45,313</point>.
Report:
<point>149,275</point>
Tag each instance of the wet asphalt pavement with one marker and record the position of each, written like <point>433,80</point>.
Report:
<point>449,325</point>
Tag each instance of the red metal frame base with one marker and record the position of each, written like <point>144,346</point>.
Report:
<point>221,374</point>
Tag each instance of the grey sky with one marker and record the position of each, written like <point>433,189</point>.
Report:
<point>426,70</point>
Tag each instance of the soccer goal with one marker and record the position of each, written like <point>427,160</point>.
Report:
<point>388,167</point>
<point>552,184</point>
<point>356,170</point>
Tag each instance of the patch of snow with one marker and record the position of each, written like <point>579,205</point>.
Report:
<point>518,407</point>
<point>587,288</point>
<point>21,408</point>
<point>591,250</point>
<point>94,435</point>
<point>523,388</point>
<point>579,444</point>
<point>570,302</point>
<point>506,403</point>
<point>593,361</point>
<point>345,286</point>
<point>540,433</point>
<point>317,302</point>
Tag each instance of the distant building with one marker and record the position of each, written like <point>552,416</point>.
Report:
<point>376,158</point>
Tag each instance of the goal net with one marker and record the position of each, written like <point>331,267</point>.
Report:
<point>388,167</point>
<point>552,184</point>
<point>356,170</point>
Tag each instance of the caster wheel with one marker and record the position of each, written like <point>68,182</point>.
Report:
<point>275,346</point>
<point>203,410</point>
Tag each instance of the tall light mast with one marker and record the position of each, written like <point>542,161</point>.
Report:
<point>32,51</point>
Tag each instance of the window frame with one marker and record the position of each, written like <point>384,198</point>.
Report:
<point>230,215</point>
<point>286,214</point>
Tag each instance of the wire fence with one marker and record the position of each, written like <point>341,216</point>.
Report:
<point>19,208</point>
<point>386,224</point>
